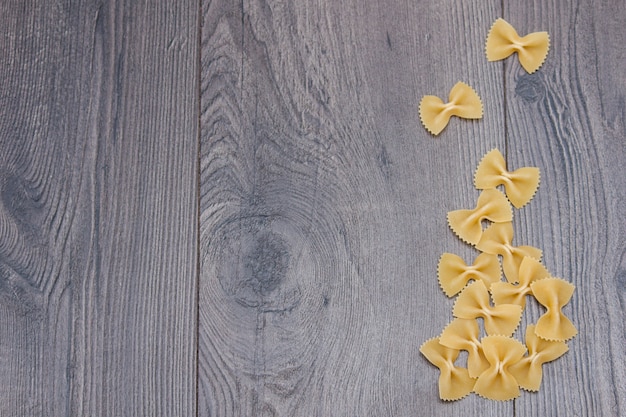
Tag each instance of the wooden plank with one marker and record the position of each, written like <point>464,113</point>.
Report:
<point>568,119</point>
<point>98,134</point>
<point>323,201</point>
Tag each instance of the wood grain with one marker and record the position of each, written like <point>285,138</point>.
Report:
<point>98,134</point>
<point>259,236</point>
<point>566,119</point>
<point>323,202</point>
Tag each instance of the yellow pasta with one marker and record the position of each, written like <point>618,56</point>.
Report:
<point>454,274</point>
<point>463,102</point>
<point>497,364</point>
<point>528,371</point>
<point>473,302</point>
<point>463,334</point>
<point>553,294</point>
<point>530,270</point>
<point>503,41</point>
<point>492,205</point>
<point>496,240</point>
<point>520,185</point>
<point>497,383</point>
<point>454,382</point>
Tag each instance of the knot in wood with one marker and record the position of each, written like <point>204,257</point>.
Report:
<point>530,87</point>
<point>256,260</point>
<point>266,263</point>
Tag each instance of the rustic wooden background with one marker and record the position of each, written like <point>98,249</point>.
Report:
<point>230,208</point>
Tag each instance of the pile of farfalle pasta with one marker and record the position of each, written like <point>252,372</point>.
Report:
<point>488,309</point>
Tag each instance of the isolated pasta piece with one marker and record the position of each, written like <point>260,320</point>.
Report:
<point>492,205</point>
<point>553,294</point>
<point>530,270</point>
<point>454,382</point>
<point>496,240</point>
<point>463,102</point>
<point>497,383</point>
<point>463,334</point>
<point>454,274</point>
<point>473,302</point>
<point>503,41</point>
<point>528,371</point>
<point>520,185</point>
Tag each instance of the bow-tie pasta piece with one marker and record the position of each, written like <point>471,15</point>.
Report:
<point>454,382</point>
<point>497,383</point>
<point>528,371</point>
<point>454,274</point>
<point>463,334</point>
<point>463,102</point>
<point>554,294</point>
<point>503,41</point>
<point>520,185</point>
<point>492,205</point>
<point>496,240</point>
<point>473,302</point>
<point>530,270</point>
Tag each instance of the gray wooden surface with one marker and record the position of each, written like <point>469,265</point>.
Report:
<point>219,208</point>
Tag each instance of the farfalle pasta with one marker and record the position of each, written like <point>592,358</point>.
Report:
<point>453,273</point>
<point>503,41</point>
<point>463,334</point>
<point>492,205</point>
<point>528,371</point>
<point>463,102</point>
<point>520,185</point>
<point>530,270</point>
<point>496,240</point>
<point>553,294</point>
<point>497,382</point>
<point>496,364</point>
<point>454,381</point>
<point>473,302</point>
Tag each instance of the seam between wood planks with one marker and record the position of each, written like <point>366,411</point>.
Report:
<point>199,22</point>
<point>505,114</point>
